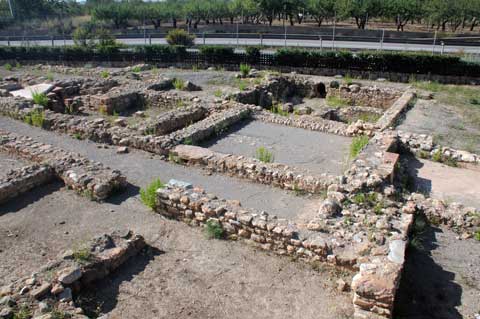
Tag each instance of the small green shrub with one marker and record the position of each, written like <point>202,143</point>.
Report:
<point>245,69</point>
<point>18,65</point>
<point>35,118</point>
<point>23,312</point>
<point>188,141</point>
<point>447,160</point>
<point>357,145</point>
<point>242,85</point>
<point>218,93</point>
<point>348,79</point>
<point>179,84</point>
<point>104,74</point>
<point>40,99</point>
<point>335,101</point>
<point>82,255</point>
<point>136,69</point>
<point>213,229</point>
<point>264,155</point>
<point>477,235</point>
<point>277,109</point>
<point>437,156</point>
<point>50,76</point>
<point>475,101</point>
<point>424,155</point>
<point>148,194</point>
<point>8,67</point>
<point>180,37</point>
<point>58,314</point>
<point>369,117</point>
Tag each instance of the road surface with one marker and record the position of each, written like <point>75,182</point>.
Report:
<point>326,44</point>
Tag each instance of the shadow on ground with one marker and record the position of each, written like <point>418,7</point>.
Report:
<point>416,183</point>
<point>122,195</point>
<point>102,297</point>
<point>426,290</point>
<point>16,204</point>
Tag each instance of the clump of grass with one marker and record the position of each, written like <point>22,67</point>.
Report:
<point>218,93</point>
<point>439,157</point>
<point>148,194</point>
<point>77,136</point>
<point>213,229</point>
<point>477,235</point>
<point>475,101</point>
<point>188,141</point>
<point>18,65</point>
<point>348,79</point>
<point>423,154</point>
<point>23,312</point>
<point>418,232</point>
<point>82,255</point>
<point>357,145</point>
<point>264,155</point>
<point>241,84</point>
<point>369,117</point>
<point>104,74</point>
<point>40,99</point>
<point>50,76</point>
<point>335,101</point>
<point>245,69</point>
<point>58,314</point>
<point>8,67</point>
<point>428,86</point>
<point>179,84</point>
<point>35,118</point>
<point>136,69</point>
<point>366,199</point>
<point>277,109</point>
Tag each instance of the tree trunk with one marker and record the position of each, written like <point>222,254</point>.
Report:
<point>174,22</point>
<point>231,20</point>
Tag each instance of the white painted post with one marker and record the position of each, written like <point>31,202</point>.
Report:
<point>434,42</point>
<point>443,47</point>
<point>334,26</point>
<point>203,38</point>
<point>321,43</point>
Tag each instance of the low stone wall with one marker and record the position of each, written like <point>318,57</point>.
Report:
<point>53,287</point>
<point>375,245</point>
<point>366,96</point>
<point>117,101</point>
<point>174,120</point>
<point>461,219</point>
<point>22,180</point>
<point>89,178</point>
<point>423,146</point>
<point>391,115</point>
<point>278,175</point>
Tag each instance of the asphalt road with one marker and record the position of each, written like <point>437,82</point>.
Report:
<point>327,44</point>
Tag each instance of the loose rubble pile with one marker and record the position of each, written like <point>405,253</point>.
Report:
<point>50,292</point>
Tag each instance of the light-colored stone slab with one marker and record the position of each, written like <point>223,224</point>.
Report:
<point>28,91</point>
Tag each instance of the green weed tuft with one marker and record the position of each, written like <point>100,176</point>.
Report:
<point>35,118</point>
<point>213,229</point>
<point>357,145</point>
<point>40,99</point>
<point>245,69</point>
<point>264,155</point>
<point>148,194</point>
<point>179,84</point>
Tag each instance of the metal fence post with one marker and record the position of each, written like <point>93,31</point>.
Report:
<point>321,43</point>
<point>443,47</point>
<point>53,42</point>
<point>150,39</point>
<point>203,38</point>
<point>434,42</point>
<point>261,39</point>
<point>8,41</point>
<point>383,38</point>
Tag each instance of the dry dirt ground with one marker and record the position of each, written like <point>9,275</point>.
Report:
<point>450,184</point>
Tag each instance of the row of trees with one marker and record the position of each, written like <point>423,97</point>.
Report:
<point>440,14</point>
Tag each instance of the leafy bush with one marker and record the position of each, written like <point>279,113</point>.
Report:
<point>82,255</point>
<point>218,54</point>
<point>180,37</point>
<point>8,67</point>
<point>178,84</point>
<point>35,118</point>
<point>104,74</point>
<point>477,235</point>
<point>357,145</point>
<point>40,99</point>
<point>213,229</point>
<point>148,194</point>
<point>264,155</point>
<point>245,69</point>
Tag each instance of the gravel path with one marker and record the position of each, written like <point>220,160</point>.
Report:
<point>315,152</point>
<point>141,168</point>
